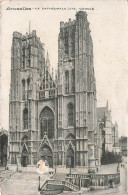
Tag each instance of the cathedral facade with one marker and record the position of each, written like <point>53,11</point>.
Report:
<point>54,118</point>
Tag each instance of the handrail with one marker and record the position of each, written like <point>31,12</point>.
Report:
<point>104,175</point>
<point>72,186</point>
<point>44,185</point>
<point>65,183</point>
<point>13,173</point>
<point>16,171</point>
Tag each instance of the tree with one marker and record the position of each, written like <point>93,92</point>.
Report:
<point>110,157</point>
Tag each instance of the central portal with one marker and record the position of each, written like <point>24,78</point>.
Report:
<point>46,154</point>
<point>24,157</point>
<point>70,158</point>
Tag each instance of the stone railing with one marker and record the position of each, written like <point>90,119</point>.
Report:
<point>71,186</point>
<point>104,179</point>
<point>44,185</point>
<point>81,176</point>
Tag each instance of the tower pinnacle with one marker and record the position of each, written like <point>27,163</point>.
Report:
<point>47,61</point>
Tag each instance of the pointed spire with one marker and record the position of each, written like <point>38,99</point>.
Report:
<point>56,74</point>
<point>48,61</point>
<point>52,73</point>
<point>47,56</point>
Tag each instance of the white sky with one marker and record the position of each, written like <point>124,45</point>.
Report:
<point>109,30</point>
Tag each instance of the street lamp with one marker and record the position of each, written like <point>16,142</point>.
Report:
<point>79,183</point>
<point>70,169</point>
<point>118,167</point>
<point>39,184</point>
<point>17,166</point>
<point>55,163</point>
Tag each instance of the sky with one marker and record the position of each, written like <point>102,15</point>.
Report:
<point>109,30</point>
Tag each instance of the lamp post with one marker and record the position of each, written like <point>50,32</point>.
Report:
<point>55,163</point>
<point>39,184</point>
<point>79,183</point>
<point>17,166</point>
<point>70,169</point>
<point>118,167</point>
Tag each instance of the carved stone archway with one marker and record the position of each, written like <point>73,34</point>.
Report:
<point>45,153</point>
<point>24,156</point>
<point>70,157</point>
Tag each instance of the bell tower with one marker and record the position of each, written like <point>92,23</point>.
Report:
<point>27,63</point>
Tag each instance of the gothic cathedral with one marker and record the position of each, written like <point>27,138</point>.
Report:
<point>54,117</point>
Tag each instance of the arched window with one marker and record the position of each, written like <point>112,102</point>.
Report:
<point>70,114</point>
<point>25,118</point>
<point>44,83</point>
<point>23,89</point>
<point>47,122</point>
<point>66,41</point>
<point>23,57</point>
<point>28,87</point>
<point>24,140</point>
<point>70,136</point>
<point>66,82</point>
<point>72,81</point>
<point>29,55</point>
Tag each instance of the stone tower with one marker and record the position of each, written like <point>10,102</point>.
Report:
<point>28,71</point>
<point>77,93</point>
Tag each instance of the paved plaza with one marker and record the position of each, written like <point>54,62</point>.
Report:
<point>108,169</point>
<point>23,184</point>
<point>26,183</point>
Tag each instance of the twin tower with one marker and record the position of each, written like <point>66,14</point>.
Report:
<point>54,118</point>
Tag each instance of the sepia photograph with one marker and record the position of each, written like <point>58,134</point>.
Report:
<point>63,97</point>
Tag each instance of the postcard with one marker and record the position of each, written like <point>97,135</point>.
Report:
<point>63,102</point>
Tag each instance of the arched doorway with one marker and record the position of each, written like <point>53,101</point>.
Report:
<point>70,158</point>
<point>70,136</point>
<point>45,153</point>
<point>24,157</point>
<point>3,149</point>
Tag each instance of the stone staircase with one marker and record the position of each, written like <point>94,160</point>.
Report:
<point>59,180</point>
<point>66,185</point>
